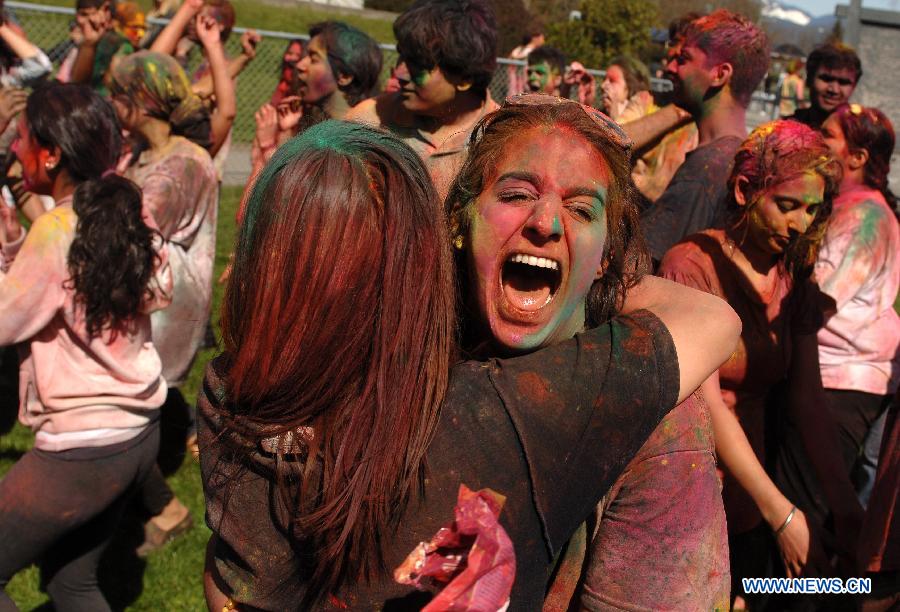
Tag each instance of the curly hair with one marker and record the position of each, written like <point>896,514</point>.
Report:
<point>776,152</point>
<point>625,256</point>
<point>112,257</point>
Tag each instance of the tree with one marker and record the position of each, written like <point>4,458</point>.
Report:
<point>606,29</point>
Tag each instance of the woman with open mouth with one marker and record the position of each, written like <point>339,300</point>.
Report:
<point>781,190</point>
<point>335,430</point>
<point>546,244</point>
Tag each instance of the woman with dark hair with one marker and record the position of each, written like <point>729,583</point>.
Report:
<point>334,437</point>
<point>626,77</point>
<point>288,84</point>
<point>520,224</point>
<point>627,99</point>
<point>781,191</point>
<point>339,68</point>
<point>77,295</point>
<point>154,101</point>
<point>858,270</point>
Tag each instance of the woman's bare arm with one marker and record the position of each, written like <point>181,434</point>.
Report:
<point>704,328</point>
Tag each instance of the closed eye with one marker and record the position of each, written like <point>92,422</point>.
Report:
<point>582,211</point>
<point>514,196</point>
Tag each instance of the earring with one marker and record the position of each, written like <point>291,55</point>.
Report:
<point>49,167</point>
<point>458,242</point>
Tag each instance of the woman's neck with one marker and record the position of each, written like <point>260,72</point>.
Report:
<point>751,259</point>
<point>852,180</point>
<point>156,132</point>
<point>335,106</point>
<point>63,186</point>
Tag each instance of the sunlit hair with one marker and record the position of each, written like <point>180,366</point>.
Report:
<point>458,36</point>
<point>867,128</point>
<point>832,56</point>
<point>351,52</point>
<point>678,26</point>
<point>780,151</point>
<point>729,37</point>
<point>339,317</point>
<point>111,258</point>
<point>637,76</point>
<point>625,257</point>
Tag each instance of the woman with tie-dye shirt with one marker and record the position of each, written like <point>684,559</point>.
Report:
<point>858,271</point>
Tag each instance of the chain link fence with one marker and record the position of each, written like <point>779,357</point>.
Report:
<point>48,27</point>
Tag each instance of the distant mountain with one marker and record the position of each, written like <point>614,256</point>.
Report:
<point>783,12</point>
<point>788,24</point>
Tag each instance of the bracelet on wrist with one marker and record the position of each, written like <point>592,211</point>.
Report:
<point>787,521</point>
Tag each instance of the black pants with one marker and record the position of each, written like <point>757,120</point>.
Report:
<point>175,422</point>
<point>61,509</point>
<point>853,412</point>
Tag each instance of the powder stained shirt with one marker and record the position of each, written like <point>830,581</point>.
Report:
<point>551,431</point>
<point>859,269</point>
<point>181,191</point>
<point>763,355</point>
<point>695,198</point>
<point>443,157</point>
<point>661,542</point>
<point>76,390</point>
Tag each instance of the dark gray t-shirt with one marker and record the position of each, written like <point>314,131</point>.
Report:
<point>694,200</point>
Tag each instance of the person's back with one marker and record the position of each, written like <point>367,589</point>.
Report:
<point>77,299</point>
<point>488,419</point>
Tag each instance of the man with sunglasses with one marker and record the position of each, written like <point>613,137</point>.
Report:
<point>832,72</point>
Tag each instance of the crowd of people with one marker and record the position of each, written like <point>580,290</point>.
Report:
<point>476,354</point>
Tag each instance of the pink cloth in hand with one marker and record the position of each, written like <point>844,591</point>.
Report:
<point>471,562</point>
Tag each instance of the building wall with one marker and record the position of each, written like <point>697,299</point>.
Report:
<point>879,50</point>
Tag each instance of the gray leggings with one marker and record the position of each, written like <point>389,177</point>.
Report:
<point>61,509</point>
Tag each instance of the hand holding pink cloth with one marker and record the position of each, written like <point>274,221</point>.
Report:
<point>471,561</point>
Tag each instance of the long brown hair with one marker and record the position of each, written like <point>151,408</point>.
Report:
<point>339,319</point>
<point>625,257</point>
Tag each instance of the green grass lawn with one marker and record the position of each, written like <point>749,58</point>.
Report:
<point>283,17</point>
<point>170,579</point>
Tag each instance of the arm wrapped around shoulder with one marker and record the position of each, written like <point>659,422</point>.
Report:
<point>704,328</point>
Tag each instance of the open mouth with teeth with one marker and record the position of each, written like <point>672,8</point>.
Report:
<point>530,283</point>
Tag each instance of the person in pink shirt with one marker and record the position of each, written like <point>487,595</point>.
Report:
<point>77,295</point>
<point>858,271</point>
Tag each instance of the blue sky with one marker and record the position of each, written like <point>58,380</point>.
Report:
<point>826,7</point>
